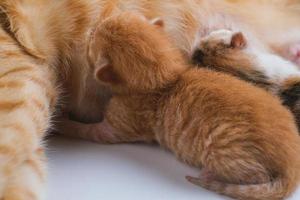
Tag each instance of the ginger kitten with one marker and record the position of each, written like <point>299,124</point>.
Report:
<point>43,48</point>
<point>244,140</point>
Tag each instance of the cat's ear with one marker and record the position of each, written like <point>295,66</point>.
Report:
<point>238,41</point>
<point>158,22</point>
<point>106,74</point>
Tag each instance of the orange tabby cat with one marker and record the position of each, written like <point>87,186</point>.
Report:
<point>50,37</point>
<point>248,149</point>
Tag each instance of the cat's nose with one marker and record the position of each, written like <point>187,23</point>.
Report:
<point>197,56</point>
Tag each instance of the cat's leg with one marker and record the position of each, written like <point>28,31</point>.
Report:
<point>28,96</point>
<point>27,182</point>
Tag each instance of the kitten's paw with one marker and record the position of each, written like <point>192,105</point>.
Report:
<point>206,176</point>
<point>294,51</point>
<point>217,41</point>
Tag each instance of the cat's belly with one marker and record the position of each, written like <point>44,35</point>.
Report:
<point>86,98</point>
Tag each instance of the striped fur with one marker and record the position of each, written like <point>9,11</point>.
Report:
<point>248,149</point>
<point>56,31</point>
<point>28,97</point>
<point>29,94</point>
<point>184,21</point>
<point>43,43</point>
<point>38,39</point>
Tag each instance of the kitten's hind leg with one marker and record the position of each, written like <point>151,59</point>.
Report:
<point>237,183</point>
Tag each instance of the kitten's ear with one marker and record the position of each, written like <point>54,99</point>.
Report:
<point>238,40</point>
<point>158,22</point>
<point>106,74</point>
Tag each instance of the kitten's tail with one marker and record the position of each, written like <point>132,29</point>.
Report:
<point>278,189</point>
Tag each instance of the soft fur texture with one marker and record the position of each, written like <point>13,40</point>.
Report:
<point>28,97</point>
<point>56,32</point>
<point>248,149</point>
<point>50,36</point>
<point>230,52</point>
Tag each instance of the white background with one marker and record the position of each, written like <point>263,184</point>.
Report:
<point>81,170</point>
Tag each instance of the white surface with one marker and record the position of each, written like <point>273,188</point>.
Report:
<point>81,170</point>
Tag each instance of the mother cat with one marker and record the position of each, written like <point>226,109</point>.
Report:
<point>43,49</point>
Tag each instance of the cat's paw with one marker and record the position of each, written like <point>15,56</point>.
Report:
<point>217,41</point>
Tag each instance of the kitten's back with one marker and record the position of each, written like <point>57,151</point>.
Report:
<point>250,141</point>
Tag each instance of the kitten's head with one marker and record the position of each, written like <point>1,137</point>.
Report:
<point>129,52</point>
<point>218,47</point>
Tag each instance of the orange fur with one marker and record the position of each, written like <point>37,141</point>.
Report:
<point>43,42</point>
<point>229,52</point>
<point>56,32</point>
<point>248,149</point>
<point>28,96</point>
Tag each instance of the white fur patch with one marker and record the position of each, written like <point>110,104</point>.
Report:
<point>221,36</point>
<point>276,67</point>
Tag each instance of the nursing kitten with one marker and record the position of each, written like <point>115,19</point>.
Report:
<point>50,36</point>
<point>248,148</point>
<point>186,22</point>
<point>230,52</point>
<point>45,31</point>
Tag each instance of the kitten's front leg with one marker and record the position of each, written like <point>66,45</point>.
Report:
<point>101,132</point>
<point>117,127</point>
